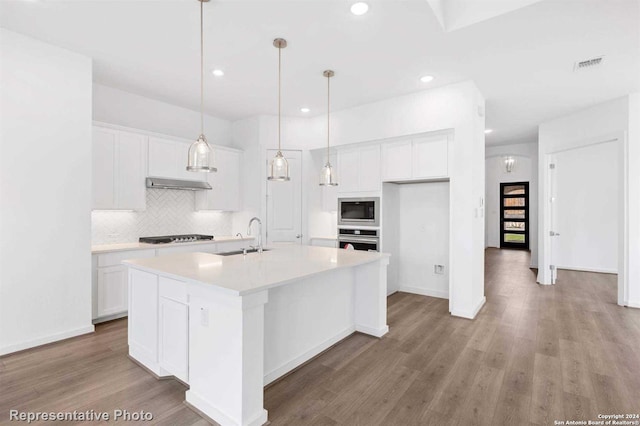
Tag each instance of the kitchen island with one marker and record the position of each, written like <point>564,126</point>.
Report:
<point>229,325</point>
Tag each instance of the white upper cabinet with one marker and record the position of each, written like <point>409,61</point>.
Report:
<point>359,170</point>
<point>104,169</point>
<point>396,160</point>
<point>418,159</point>
<point>370,168</point>
<point>168,159</point>
<point>430,158</point>
<point>225,194</point>
<point>119,167</point>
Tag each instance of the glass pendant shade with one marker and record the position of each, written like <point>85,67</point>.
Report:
<point>199,159</point>
<point>328,176</point>
<point>279,170</point>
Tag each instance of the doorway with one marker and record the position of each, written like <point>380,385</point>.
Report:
<point>514,215</point>
<point>284,203</point>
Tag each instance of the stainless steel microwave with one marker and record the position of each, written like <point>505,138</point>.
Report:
<point>359,211</point>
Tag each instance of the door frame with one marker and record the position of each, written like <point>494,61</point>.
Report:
<point>526,220</point>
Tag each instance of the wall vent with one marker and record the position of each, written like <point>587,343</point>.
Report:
<point>588,63</point>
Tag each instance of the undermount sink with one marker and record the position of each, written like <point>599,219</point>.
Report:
<point>236,252</point>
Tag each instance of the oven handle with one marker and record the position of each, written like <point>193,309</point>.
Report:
<point>359,240</point>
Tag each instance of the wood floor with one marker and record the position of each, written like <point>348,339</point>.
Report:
<point>533,355</point>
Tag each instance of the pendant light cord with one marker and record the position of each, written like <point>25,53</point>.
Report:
<point>279,93</point>
<point>328,114</point>
<point>201,67</point>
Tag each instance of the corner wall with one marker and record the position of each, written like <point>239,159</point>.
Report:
<point>45,193</point>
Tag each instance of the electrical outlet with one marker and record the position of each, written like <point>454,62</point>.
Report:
<point>438,269</point>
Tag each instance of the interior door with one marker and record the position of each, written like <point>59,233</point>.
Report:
<point>284,203</point>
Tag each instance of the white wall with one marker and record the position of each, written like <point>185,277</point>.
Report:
<point>616,119</point>
<point>45,193</point>
<point>116,106</point>
<point>587,199</point>
<point>525,170</point>
<point>422,235</point>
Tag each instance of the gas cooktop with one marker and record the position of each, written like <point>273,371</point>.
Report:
<point>175,239</point>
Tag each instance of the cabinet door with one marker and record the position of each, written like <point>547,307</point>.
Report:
<point>162,158</point>
<point>103,169</point>
<point>174,332</point>
<point>430,158</point>
<point>369,169</point>
<point>348,171</point>
<point>112,290</point>
<point>131,171</point>
<point>396,161</point>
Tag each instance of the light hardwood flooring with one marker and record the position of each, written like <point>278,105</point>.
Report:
<point>533,355</point>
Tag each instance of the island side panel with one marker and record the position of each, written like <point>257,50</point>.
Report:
<point>305,318</point>
<point>371,298</point>
<point>143,319</point>
<point>226,341</point>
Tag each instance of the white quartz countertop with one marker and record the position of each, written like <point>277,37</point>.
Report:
<point>108,248</point>
<point>240,275</point>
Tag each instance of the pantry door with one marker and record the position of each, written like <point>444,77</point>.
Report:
<point>284,203</point>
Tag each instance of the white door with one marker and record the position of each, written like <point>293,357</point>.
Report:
<point>284,203</point>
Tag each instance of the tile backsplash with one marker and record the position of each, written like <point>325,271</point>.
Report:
<point>168,212</point>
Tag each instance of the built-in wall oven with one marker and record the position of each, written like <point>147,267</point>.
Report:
<point>359,211</point>
<point>359,239</point>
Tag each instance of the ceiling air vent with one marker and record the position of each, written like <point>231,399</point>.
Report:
<point>588,64</point>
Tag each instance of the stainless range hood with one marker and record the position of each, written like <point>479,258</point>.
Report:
<point>164,183</point>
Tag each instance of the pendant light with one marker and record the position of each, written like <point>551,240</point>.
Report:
<point>199,157</point>
<point>279,170</point>
<point>328,175</point>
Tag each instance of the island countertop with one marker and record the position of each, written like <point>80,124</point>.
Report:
<point>240,275</point>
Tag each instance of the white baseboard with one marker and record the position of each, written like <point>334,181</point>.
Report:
<point>290,365</point>
<point>200,404</point>
<point>46,339</point>
<point>581,269</point>
<point>375,332</point>
<point>633,304</point>
<point>424,291</point>
<point>470,314</point>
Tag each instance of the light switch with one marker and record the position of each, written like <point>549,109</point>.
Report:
<point>204,317</point>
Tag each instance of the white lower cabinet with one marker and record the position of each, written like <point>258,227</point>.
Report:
<point>174,328</point>
<point>112,290</point>
<point>109,286</point>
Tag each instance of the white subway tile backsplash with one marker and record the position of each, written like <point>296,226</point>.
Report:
<point>168,212</point>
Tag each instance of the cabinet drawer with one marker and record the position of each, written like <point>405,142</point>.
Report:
<point>173,289</point>
<point>116,258</point>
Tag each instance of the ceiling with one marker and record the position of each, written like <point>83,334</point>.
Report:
<point>522,60</point>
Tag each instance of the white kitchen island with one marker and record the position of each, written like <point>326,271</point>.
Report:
<point>228,325</point>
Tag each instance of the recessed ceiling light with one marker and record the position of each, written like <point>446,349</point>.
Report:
<point>426,78</point>
<point>359,8</point>
<point>217,73</point>
<point>487,131</point>
<point>304,110</point>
